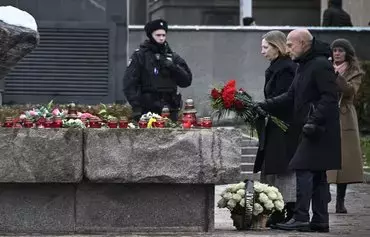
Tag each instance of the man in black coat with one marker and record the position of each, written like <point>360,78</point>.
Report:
<point>313,98</point>
<point>335,15</point>
<point>153,74</point>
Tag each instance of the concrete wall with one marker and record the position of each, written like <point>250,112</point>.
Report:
<point>226,12</point>
<point>358,9</point>
<point>218,54</point>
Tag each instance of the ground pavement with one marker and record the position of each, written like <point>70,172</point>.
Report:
<point>356,223</point>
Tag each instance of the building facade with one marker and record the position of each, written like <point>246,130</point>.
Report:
<point>81,56</point>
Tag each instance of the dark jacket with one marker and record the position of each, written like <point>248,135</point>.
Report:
<point>151,80</point>
<point>276,148</point>
<point>313,97</point>
<point>336,16</point>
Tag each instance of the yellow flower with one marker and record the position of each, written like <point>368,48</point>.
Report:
<point>150,122</point>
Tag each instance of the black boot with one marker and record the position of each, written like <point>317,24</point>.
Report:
<point>281,217</point>
<point>341,193</point>
<point>276,217</point>
<point>289,208</point>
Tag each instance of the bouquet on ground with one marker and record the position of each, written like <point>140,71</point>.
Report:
<point>253,205</point>
<point>228,99</point>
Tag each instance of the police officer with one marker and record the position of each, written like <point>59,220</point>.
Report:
<point>153,74</point>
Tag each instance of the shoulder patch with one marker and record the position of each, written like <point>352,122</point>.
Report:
<point>136,50</point>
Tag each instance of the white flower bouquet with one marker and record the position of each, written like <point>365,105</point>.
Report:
<point>258,203</point>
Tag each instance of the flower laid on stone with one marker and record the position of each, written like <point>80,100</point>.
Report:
<point>228,99</point>
<point>74,123</point>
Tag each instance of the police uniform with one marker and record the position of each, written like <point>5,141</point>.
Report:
<point>153,74</point>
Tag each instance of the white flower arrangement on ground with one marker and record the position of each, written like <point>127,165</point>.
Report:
<point>266,200</point>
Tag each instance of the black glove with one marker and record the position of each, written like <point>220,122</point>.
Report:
<point>258,108</point>
<point>166,62</point>
<point>262,105</point>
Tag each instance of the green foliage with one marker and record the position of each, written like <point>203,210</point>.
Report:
<point>365,145</point>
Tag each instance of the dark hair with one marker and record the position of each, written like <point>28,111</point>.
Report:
<point>351,57</point>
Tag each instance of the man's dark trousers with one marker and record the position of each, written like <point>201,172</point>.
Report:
<point>312,185</point>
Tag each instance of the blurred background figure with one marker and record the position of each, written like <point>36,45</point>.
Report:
<point>334,15</point>
<point>349,78</point>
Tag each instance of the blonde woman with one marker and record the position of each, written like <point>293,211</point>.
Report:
<point>276,148</point>
<point>349,78</point>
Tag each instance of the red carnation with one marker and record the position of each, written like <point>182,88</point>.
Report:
<point>239,104</point>
<point>215,94</point>
<point>228,104</point>
<point>228,94</point>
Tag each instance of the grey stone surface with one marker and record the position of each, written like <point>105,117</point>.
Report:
<point>16,43</point>
<point>36,208</point>
<point>141,207</point>
<point>162,155</point>
<point>40,155</point>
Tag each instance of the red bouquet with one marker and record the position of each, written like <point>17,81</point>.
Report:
<point>228,98</point>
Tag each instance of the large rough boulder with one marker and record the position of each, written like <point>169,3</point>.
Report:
<point>162,155</point>
<point>41,155</point>
<point>18,37</point>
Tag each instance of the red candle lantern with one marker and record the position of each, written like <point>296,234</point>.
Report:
<point>160,123</point>
<point>8,122</point>
<point>41,122</point>
<point>28,123</point>
<point>200,122</point>
<point>123,122</point>
<point>207,122</point>
<point>57,123</point>
<point>143,123</point>
<point>165,112</point>
<point>189,113</point>
<point>94,123</point>
<point>112,123</point>
<point>48,123</point>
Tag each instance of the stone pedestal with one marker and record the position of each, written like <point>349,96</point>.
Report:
<point>113,180</point>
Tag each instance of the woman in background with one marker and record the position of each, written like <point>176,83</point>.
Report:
<point>349,78</point>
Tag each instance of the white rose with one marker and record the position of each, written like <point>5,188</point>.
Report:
<point>228,196</point>
<point>263,198</point>
<point>264,187</point>
<point>272,195</point>
<point>269,205</point>
<point>274,189</point>
<point>234,188</point>
<point>228,189</point>
<point>241,192</point>
<point>280,197</point>
<point>237,197</point>
<point>258,187</point>
<point>257,209</point>
<point>279,205</point>
<point>241,185</point>
<point>231,204</point>
<point>222,203</point>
